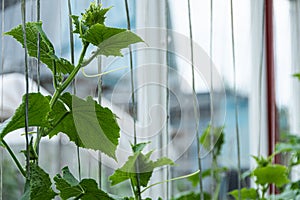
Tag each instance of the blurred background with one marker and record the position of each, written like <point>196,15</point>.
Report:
<point>163,84</point>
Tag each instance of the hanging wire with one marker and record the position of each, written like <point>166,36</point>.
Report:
<point>38,18</point>
<point>71,32</point>
<point>169,185</point>
<point>235,102</point>
<point>31,61</point>
<point>38,66</point>
<point>212,127</point>
<point>2,92</point>
<point>71,38</point>
<point>132,97</point>
<point>195,103</point>
<point>99,63</point>
<point>260,76</point>
<point>23,11</point>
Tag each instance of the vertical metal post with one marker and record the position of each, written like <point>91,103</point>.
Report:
<point>271,98</point>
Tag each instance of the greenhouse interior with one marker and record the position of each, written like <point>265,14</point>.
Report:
<point>150,100</point>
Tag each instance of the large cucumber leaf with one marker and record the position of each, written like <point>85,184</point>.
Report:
<point>38,109</point>
<point>86,123</point>
<point>47,52</point>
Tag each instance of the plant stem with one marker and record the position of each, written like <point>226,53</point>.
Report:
<point>70,78</point>
<point>55,82</point>
<point>173,179</point>
<point>134,191</point>
<point>11,153</point>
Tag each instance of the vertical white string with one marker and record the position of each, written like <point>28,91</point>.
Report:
<point>23,11</point>
<point>2,92</point>
<point>212,113</point>
<point>38,18</point>
<point>260,76</point>
<point>71,38</point>
<point>99,63</point>
<point>195,103</point>
<point>168,172</point>
<point>38,69</point>
<point>235,102</point>
<point>133,98</point>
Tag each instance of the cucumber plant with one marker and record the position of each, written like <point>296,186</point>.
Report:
<point>84,121</point>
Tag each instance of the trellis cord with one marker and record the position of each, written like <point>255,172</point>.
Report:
<point>2,92</point>
<point>38,14</point>
<point>168,175</point>
<point>235,101</point>
<point>71,40</point>
<point>211,86</point>
<point>195,103</point>
<point>38,66</point>
<point>132,97</point>
<point>260,78</point>
<point>99,62</point>
<point>23,12</point>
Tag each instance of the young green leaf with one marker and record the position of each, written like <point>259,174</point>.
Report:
<point>86,123</point>
<point>38,109</point>
<point>246,194</point>
<point>218,139</point>
<point>69,187</point>
<point>97,33</point>
<point>39,185</point>
<point>146,167</point>
<point>139,147</point>
<point>271,174</point>
<point>47,53</point>
<point>109,40</point>
<point>95,14</point>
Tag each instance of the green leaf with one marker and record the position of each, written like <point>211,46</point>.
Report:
<point>109,40</point>
<point>272,174</point>
<point>98,33</point>
<point>287,147</point>
<point>87,189</point>
<point>297,75</point>
<point>217,135</point>
<point>38,109</point>
<point>39,185</point>
<point>245,194</point>
<point>26,195</point>
<point>47,53</point>
<point>68,176</point>
<point>79,27</point>
<point>139,147</point>
<point>86,123</point>
<point>262,162</point>
<point>145,168</point>
<point>95,14</point>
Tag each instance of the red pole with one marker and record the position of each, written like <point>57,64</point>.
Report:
<point>271,98</point>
